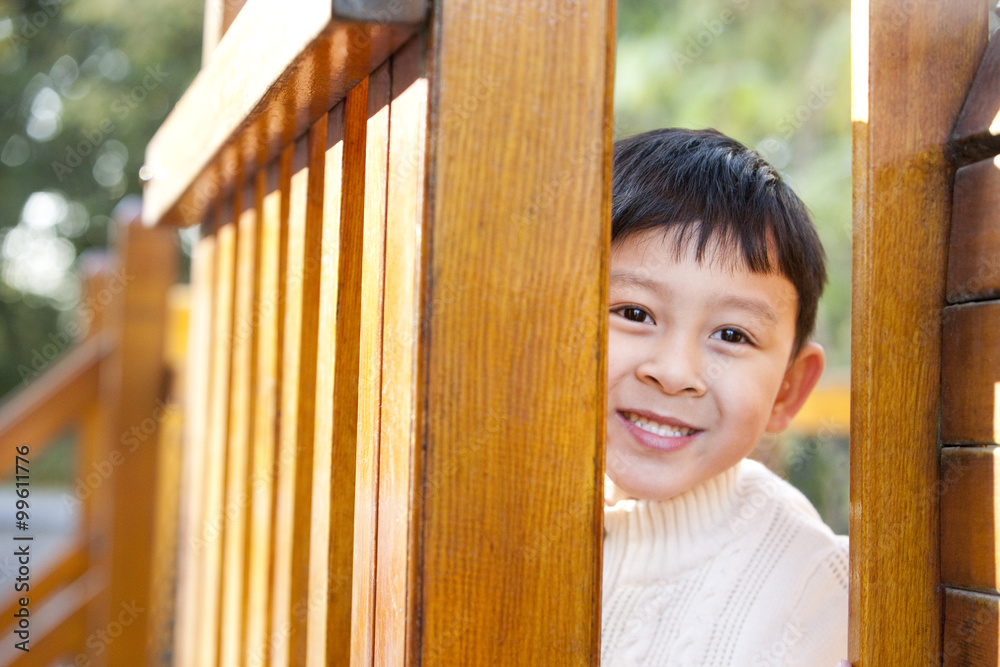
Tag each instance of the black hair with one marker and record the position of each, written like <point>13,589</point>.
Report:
<point>703,183</point>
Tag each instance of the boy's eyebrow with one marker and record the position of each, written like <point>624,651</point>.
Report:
<point>636,280</point>
<point>755,306</point>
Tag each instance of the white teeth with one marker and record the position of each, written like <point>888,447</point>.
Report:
<point>658,429</point>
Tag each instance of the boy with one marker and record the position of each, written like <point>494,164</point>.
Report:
<point>709,558</point>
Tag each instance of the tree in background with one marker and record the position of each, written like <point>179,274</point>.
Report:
<point>84,86</point>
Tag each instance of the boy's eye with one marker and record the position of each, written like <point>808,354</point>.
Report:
<point>633,313</point>
<point>730,335</point>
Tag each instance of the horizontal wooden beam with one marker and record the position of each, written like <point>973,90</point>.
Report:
<point>275,72</point>
<point>45,407</point>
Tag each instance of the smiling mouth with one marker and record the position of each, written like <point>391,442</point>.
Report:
<point>662,430</point>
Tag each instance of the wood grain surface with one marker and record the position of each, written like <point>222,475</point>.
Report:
<point>923,60</point>
<point>970,371</point>
<point>511,367</point>
<point>974,252</point>
<point>971,629</point>
<point>968,490</point>
<point>369,431</point>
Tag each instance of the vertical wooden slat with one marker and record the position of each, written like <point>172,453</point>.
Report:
<point>337,385</point>
<point>301,313</point>
<point>322,473</point>
<point>210,543</point>
<point>272,184</point>
<point>195,458</point>
<point>241,415</point>
<point>912,67</point>
<point>362,611</point>
<point>166,547</point>
<point>400,418</point>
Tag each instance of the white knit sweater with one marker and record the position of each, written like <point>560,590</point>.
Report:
<point>739,571</point>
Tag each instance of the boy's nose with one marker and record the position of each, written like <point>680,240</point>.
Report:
<point>676,367</point>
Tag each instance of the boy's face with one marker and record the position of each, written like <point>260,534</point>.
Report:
<point>698,364</point>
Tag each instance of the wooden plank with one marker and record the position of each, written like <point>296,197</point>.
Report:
<point>293,491</point>
<point>969,499</point>
<point>166,545</point>
<point>131,383</point>
<point>273,76</point>
<point>971,629</point>
<point>400,418</point>
<point>319,523</point>
<point>194,481</point>
<point>969,359</point>
<point>365,514</point>
<point>273,184</point>
<point>922,60</point>
<point>974,254</point>
<point>329,560</point>
<point>511,405</point>
<point>66,567</point>
<point>241,419</point>
<point>210,531</point>
<point>59,626</point>
<point>329,604</point>
<point>50,404</point>
<point>977,132</point>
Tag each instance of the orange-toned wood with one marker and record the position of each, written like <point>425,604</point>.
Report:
<point>166,546</point>
<point>970,496</point>
<point>398,468</point>
<point>316,566</point>
<point>974,255</point>
<point>132,386</point>
<point>511,413</point>
<point>69,565</point>
<point>100,286</point>
<point>922,60</point>
<point>293,486</point>
<point>209,545</point>
<point>275,74</point>
<point>971,629</point>
<point>976,132</point>
<point>194,461</point>
<point>970,412</point>
<point>36,414</point>
<point>273,185</point>
<point>329,567</point>
<point>241,419</point>
<point>59,627</point>
<point>361,612</point>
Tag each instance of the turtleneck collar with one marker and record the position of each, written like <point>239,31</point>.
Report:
<point>663,537</point>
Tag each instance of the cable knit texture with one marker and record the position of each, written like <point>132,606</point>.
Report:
<point>739,570</point>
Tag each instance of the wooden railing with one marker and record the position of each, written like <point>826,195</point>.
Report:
<point>393,420</point>
<point>106,389</point>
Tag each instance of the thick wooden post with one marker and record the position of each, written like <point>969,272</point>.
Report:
<point>132,388</point>
<point>913,64</point>
<point>492,421</point>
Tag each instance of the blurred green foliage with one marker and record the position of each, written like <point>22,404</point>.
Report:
<point>84,86</point>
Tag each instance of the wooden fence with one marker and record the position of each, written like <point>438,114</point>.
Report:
<point>393,408</point>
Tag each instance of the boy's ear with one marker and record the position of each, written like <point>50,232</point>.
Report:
<point>800,378</point>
